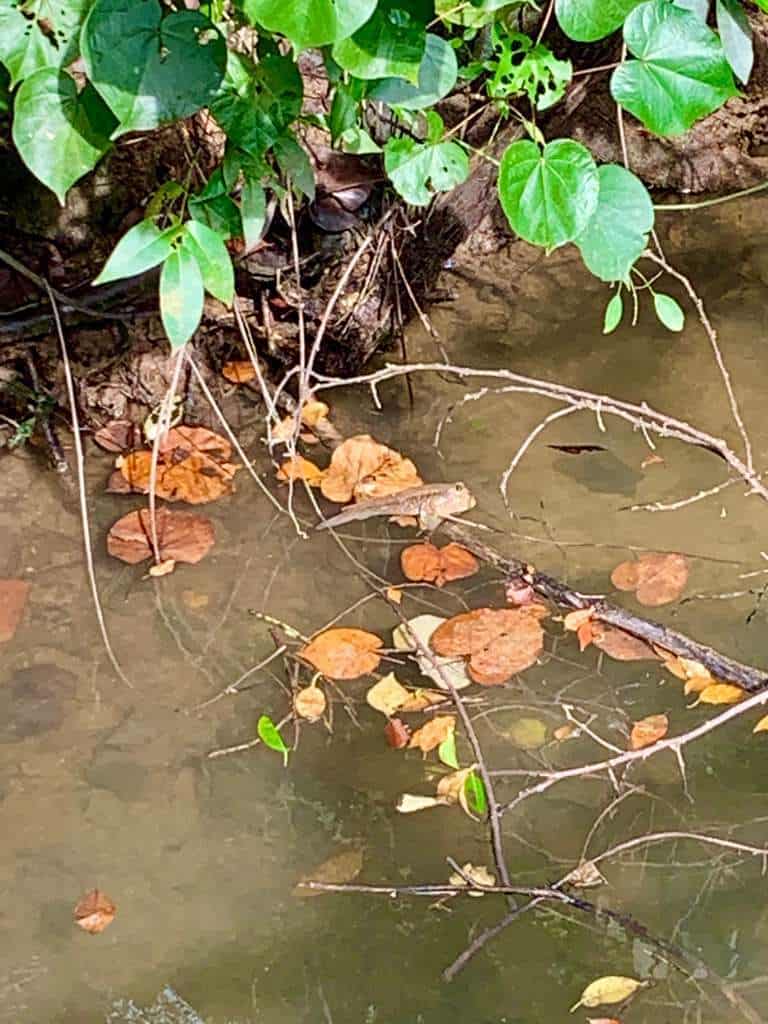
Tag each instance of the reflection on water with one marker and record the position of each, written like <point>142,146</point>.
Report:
<point>101,785</point>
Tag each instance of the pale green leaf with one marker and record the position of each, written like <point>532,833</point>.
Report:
<point>736,37</point>
<point>447,751</point>
<point>588,20</point>
<point>310,22</point>
<point>140,249</point>
<point>213,259</point>
<point>181,296</point>
<point>38,34</point>
<point>617,233</point>
<point>253,211</point>
<point>418,170</point>
<point>668,311</point>
<point>437,76</point>
<point>613,313</point>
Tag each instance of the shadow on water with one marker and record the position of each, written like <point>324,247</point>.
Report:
<point>110,787</point>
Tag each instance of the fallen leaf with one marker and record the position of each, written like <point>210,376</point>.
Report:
<point>94,912</point>
<point>119,436</point>
<point>498,642</point>
<point>610,989</point>
<point>651,460</point>
<point>564,732</point>
<point>602,1020</point>
<point>656,578</point>
<point>397,733</point>
<point>476,874</point>
<point>338,869</point>
<point>695,675</point>
<point>162,568</point>
<point>620,645</point>
<point>762,725</point>
<point>313,411</point>
<point>310,703</point>
<point>388,695</point>
<point>575,619</point>
<point>419,700</point>
<point>299,468</point>
<point>518,592</point>
<point>343,653</point>
<point>433,733</point>
<point>409,803</point>
<point>193,466</point>
<point>238,371</point>
<point>527,733</point>
<point>585,634</point>
<point>13,600</point>
<point>451,787</point>
<point>361,468</point>
<point>586,876</point>
<point>181,536</point>
<point>425,562</point>
<point>648,731</point>
<point>434,667</point>
<point>394,595</point>
<point>720,693</point>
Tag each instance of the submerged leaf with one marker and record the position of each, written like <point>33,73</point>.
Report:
<point>94,912</point>
<point>13,600</point>
<point>181,537</point>
<point>648,731</point>
<point>656,578</point>
<point>425,562</point>
<point>338,869</point>
<point>343,653</point>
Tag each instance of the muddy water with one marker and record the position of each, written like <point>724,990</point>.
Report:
<point>102,785</point>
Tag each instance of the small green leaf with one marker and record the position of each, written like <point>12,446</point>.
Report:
<point>476,796</point>
<point>39,34</point>
<point>549,194</point>
<point>181,296</point>
<point>60,134</point>
<point>437,76</point>
<point>681,73</point>
<point>344,109</point>
<point>617,233</point>
<point>419,169</point>
<point>668,311</point>
<point>140,249</point>
<point>390,44</point>
<point>213,259</point>
<point>357,140</point>
<point>736,37</point>
<point>613,313</point>
<point>295,164</point>
<point>253,211</point>
<point>310,22</point>
<point>520,66</point>
<point>270,736</point>
<point>447,751</point>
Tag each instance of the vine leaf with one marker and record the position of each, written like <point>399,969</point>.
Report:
<point>212,257</point>
<point>253,211</point>
<point>681,73</point>
<point>390,45</point>
<point>419,169</point>
<point>60,134</point>
<point>668,311</point>
<point>310,22</point>
<point>181,296</point>
<point>588,20</point>
<point>613,313</point>
<point>438,72</point>
<point>522,67</point>
<point>610,989</point>
<point>151,69</point>
<point>736,37</point>
<point>549,194</point>
<point>617,234</point>
<point>140,249</point>
<point>42,35</point>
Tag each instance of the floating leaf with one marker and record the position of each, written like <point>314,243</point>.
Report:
<point>409,803</point>
<point>652,460</point>
<point>299,468</point>
<point>397,733</point>
<point>610,989</point>
<point>270,736</point>
<point>418,170</point>
<point>648,731</point>
<point>395,595</point>
<point>435,732</point>
<point>94,912</point>
<point>343,653</point>
<point>434,667</point>
<point>586,876</point>
<point>668,311</point>
<point>361,468</point>
<point>193,466</point>
<point>437,565</point>
<point>447,751</point>
<point>310,703</point>
<point>621,645</point>
<point>573,621</point>
<point>720,693</point>
<point>498,642</point>
<point>474,795</point>
<point>13,601</point>
<point>565,732</point>
<point>656,578</point>
<point>762,725</point>
<point>388,695</point>
<point>181,537</point>
<point>475,875</point>
<point>340,868</point>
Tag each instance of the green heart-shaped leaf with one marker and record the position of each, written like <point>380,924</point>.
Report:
<point>419,169</point>
<point>310,22</point>
<point>390,44</point>
<point>617,233</point>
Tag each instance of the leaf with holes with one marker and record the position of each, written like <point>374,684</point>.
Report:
<point>617,233</point>
<point>549,195</point>
<point>418,170</point>
<point>521,66</point>
<point>39,34</point>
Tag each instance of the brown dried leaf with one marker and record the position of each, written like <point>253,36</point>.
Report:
<point>119,436</point>
<point>619,644</point>
<point>425,562</point>
<point>182,536</point>
<point>94,912</point>
<point>573,620</point>
<point>310,703</point>
<point>192,467</point>
<point>343,653</point>
<point>420,700</point>
<point>586,876</point>
<point>431,735</point>
<point>451,787</point>
<point>656,578</point>
<point>361,468</point>
<point>13,600</point>
<point>648,731</point>
<point>397,733</point>
<point>238,371</point>
<point>299,468</point>
<point>338,869</point>
<point>499,642</point>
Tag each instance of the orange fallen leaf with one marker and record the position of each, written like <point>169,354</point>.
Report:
<point>13,600</point>
<point>656,578</point>
<point>425,562</point>
<point>94,912</point>
<point>573,620</point>
<point>192,466</point>
<point>620,645</point>
<point>238,371</point>
<point>648,731</point>
<point>343,653</point>
<point>651,460</point>
<point>586,634</point>
<point>310,703</point>
<point>720,693</point>
<point>431,735</point>
<point>498,642</point>
<point>299,468</point>
<point>394,595</point>
<point>362,468</point>
<point>181,536</point>
<point>694,674</point>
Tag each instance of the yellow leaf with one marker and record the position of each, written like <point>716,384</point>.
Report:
<point>720,693</point>
<point>388,695</point>
<point>477,874</point>
<point>410,802</point>
<point>299,468</point>
<point>573,620</point>
<point>762,725</point>
<point>313,411</point>
<point>610,989</point>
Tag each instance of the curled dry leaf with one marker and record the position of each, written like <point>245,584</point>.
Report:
<point>695,675</point>
<point>573,620</point>
<point>119,436</point>
<point>656,578</point>
<point>498,642</point>
<point>651,460</point>
<point>193,466</point>
<point>648,731</point>
<point>182,536</point>
<point>13,600</point>
<point>409,803</point>
<point>431,735</point>
<point>94,912</point>
<point>338,869</point>
<point>762,725</point>
<point>397,733</point>
<point>388,695</point>
<point>474,874</point>
<point>310,703</point>
<point>610,989</point>
<point>313,412</point>
<point>420,700</point>
<point>343,653</point>
<point>427,563</point>
<point>720,693</point>
<point>450,788</point>
<point>361,468</point>
<point>238,371</point>
<point>586,876</point>
<point>620,645</point>
<point>299,468</point>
